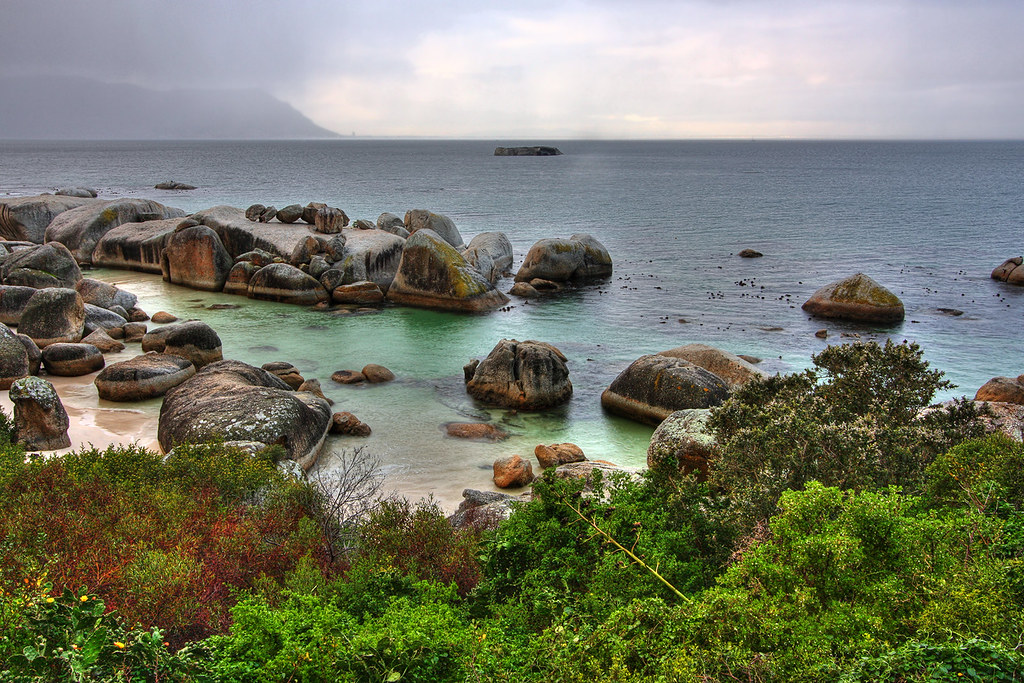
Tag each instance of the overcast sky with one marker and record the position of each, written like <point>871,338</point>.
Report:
<point>550,69</point>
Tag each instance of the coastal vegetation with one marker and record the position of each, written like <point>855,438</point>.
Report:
<point>846,532</point>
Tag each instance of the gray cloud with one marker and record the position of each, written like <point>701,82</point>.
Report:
<point>649,68</point>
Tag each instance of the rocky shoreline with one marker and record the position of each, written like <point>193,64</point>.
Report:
<point>313,255</point>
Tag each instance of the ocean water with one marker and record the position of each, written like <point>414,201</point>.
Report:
<point>929,220</point>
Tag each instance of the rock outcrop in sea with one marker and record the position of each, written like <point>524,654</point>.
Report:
<point>527,375</point>
<point>1011,271</point>
<point>857,298</point>
<point>581,257</point>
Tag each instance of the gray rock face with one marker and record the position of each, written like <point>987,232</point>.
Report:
<point>287,284</point>
<point>26,218</point>
<point>195,257</point>
<point>86,192</point>
<point>72,360</point>
<point>35,356</point>
<point>193,340</point>
<point>734,370</point>
<point>52,259</point>
<point>484,509</point>
<point>81,229</point>
<point>654,386</point>
<point>97,318</point>
<point>102,341</point>
<point>143,377</point>
<point>433,274</point>
<point>527,375</point>
<point>173,185</point>
<point>14,362</point>
<point>40,421</point>
<point>235,401</point>
<point>239,235</point>
<point>491,254</point>
<point>857,298</point>
<point>13,299</point>
<point>104,294</point>
<point>389,222</point>
<point>52,316</point>
<point>682,442</point>
<point>581,257</point>
<point>421,219</point>
<point>371,255</point>
<point>135,246</point>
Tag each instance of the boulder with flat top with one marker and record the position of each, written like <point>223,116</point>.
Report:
<point>81,229</point>
<point>654,386</point>
<point>579,258</point>
<point>857,298</point>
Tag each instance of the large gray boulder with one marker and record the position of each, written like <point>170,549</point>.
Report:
<point>104,294</point>
<point>72,360</point>
<point>135,246</point>
<point>581,257</point>
<point>143,377</point>
<point>81,229</point>
<point>286,283</point>
<point>491,254</point>
<point>654,386</point>
<point>52,260</point>
<point>193,340</point>
<point>421,219</point>
<point>683,443</point>
<point>433,274</point>
<point>239,235</point>
<point>734,370</point>
<point>528,375</point>
<point>230,400</point>
<point>54,315</point>
<point>369,255</point>
<point>26,218</point>
<point>40,421</point>
<point>97,318</point>
<point>857,298</point>
<point>14,362</point>
<point>195,257</point>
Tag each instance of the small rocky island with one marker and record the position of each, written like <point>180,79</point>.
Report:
<point>537,151</point>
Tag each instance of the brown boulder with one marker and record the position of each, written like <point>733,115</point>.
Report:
<point>377,374</point>
<point>1002,390</point>
<point>1011,270</point>
<point>734,370</point>
<point>475,430</point>
<point>348,424</point>
<point>528,375</point>
<point>655,386</point>
<point>858,298</point>
<point>143,377</point>
<point>558,454</point>
<point>512,472</point>
<point>348,377</point>
<point>362,293</point>
<point>195,257</point>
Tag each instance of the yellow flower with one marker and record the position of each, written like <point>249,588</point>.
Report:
<point>84,598</point>
<point>119,645</point>
<point>49,599</point>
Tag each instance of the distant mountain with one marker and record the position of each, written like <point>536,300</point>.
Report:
<point>61,108</point>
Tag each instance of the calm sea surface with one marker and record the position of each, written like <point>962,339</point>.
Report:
<point>929,220</point>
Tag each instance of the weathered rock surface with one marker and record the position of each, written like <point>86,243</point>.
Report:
<point>135,246</point>
<point>163,317</point>
<point>683,443</point>
<point>287,284</point>
<point>475,430</point>
<point>103,341</point>
<point>364,293</point>
<point>290,213</point>
<point>239,235</point>
<point>54,315</point>
<point>26,218</point>
<point>858,298</point>
<point>1011,271</point>
<point>286,372</point>
<point>558,454</point>
<point>348,377</point>
<point>1007,418</point>
<point>80,229</point>
<point>734,370</point>
<point>13,358</point>
<point>377,374</point>
<point>86,192</point>
<point>512,472</point>
<point>40,421</point>
<point>444,227</point>
<point>654,386</point>
<point>491,254</point>
<point>235,401</point>
<point>97,318</point>
<point>433,274</point>
<point>313,387</point>
<point>389,222</point>
<point>72,360</point>
<point>484,509</point>
<point>13,299</point>
<point>104,294</point>
<point>750,253</point>
<point>35,356</point>
<point>581,257</point>
<point>528,375</point>
<point>329,220</point>
<point>143,377</point>
<point>195,257</point>
<point>52,259</point>
<point>1002,390</point>
<point>193,340</point>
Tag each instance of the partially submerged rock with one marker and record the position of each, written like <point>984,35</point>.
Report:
<point>1010,271</point>
<point>433,274</point>
<point>529,151</point>
<point>728,366</point>
<point>654,386</point>
<point>287,284</point>
<point>528,375</point>
<point>581,257</point>
<point>143,377</point>
<point>481,431</point>
<point>347,424</point>
<point>195,257</point>
<point>857,298</point>
<point>234,401</point>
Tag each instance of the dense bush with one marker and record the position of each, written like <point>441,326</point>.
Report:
<point>854,421</point>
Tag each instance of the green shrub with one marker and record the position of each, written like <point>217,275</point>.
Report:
<point>975,660</point>
<point>854,421</point>
<point>982,473</point>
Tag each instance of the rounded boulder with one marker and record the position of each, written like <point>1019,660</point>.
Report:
<point>527,375</point>
<point>857,298</point>
<point>53,315</point>
<point>72,360</point>
<point>654,386</point>
<point>143,377</point>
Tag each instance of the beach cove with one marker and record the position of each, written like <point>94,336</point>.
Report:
<point>691,287</point>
